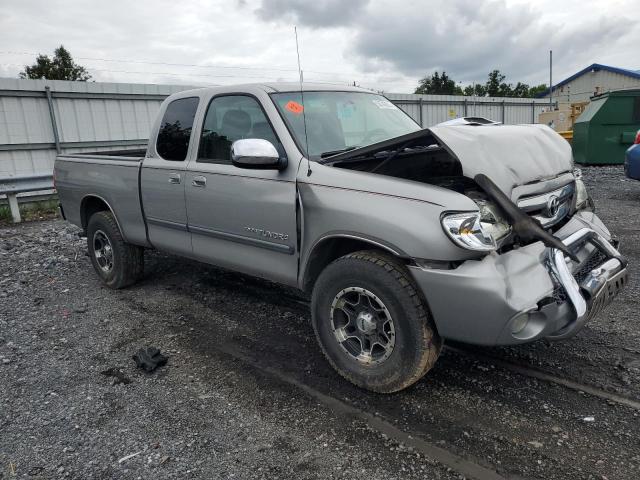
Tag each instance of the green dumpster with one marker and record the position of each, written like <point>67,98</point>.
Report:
<point>604,131</point>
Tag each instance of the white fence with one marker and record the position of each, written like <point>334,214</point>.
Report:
<point>39,118</point>
<point>428,110</point>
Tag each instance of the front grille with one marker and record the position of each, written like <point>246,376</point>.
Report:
<point>559,295</point>
<point>549,208</point>
<point>594,260</point>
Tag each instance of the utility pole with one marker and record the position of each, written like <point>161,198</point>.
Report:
<point>550,80</point>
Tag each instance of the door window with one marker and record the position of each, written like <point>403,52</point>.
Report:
<point>231,118</point>
<point>175,129</point>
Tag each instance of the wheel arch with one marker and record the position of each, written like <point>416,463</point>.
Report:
<point>92,204</point>
<point>335,245</point>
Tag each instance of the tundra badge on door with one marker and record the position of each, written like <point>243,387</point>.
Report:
<point>267,234</point>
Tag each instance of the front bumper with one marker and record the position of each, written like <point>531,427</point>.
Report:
<point>590,293</point>
<point>530,293</point>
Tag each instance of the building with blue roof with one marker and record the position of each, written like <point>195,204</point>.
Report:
<point>594,80</point>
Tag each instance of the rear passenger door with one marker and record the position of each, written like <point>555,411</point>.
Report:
<point>241,219</point>
<point>163,178</point>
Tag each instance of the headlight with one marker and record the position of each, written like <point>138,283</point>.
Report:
<point>492,221</point>
<point>582,196</point>
<point>466,231</point>
<point>583,200</point>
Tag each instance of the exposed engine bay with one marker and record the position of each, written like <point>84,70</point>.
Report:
<point>423,157</point>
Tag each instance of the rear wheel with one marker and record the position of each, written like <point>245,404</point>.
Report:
<point>117,263</point>
<point>372,323</point>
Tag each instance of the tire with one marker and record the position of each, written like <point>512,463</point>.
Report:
<point>409,344</point>
<point>117,263</point>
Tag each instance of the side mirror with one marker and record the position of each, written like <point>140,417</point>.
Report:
<point>256,153</point>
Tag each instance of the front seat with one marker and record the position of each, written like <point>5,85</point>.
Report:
<point>235,125</point>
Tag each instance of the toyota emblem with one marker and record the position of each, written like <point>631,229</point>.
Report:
<point>553,205</point>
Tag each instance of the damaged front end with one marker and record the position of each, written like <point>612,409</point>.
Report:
<point>590,285</point>
<point>529,292</point>
<point>546,264</point>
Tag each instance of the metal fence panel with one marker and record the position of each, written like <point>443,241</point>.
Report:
<point>24,120</point>
<point>95,119</point>
<point>112,115</point>
<point>429,110</point>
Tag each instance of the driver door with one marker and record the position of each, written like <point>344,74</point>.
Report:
<point>241,219</point>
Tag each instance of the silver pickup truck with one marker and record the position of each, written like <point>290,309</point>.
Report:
<point>402,236</point>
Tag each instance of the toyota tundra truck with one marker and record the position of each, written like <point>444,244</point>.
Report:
<point>402,237</point>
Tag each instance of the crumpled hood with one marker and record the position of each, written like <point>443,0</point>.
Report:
<point>510,155</point>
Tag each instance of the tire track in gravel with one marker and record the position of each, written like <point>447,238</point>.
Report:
<point>470,469</point>
<point>540,360</point>
<point>540,375</point>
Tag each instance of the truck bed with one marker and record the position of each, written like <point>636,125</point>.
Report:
<point>130,153</point>
<point>110,177</point>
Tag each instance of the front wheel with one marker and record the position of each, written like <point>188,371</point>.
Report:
<point>372,323</point>
<point>117,263</point>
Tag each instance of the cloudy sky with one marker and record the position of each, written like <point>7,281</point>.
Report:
<point>379,44</point>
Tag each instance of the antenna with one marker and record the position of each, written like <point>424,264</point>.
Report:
<point>304,113</point>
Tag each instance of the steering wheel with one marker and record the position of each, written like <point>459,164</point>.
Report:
<point>376,132</point>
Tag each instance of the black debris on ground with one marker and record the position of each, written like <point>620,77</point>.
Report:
<point>149,358</point>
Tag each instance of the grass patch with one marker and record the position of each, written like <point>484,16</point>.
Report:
<point>32,211</point>
<point>5,214</point>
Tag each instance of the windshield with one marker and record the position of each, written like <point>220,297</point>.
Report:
<point>339,121</point>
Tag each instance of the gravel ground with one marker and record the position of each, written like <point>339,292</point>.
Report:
<point>244,392</point>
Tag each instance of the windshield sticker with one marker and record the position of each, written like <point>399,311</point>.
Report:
<point>384,103</point>
<point>294,107</point>
<point>345,110</point>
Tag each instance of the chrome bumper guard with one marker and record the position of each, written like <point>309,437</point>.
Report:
<point>599,287</point>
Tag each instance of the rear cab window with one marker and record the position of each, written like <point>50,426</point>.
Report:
<point>175,129</point>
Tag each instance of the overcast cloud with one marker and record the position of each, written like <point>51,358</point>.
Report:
<point>313,13</point>
<point>468,38</point>
<point>377,43</point>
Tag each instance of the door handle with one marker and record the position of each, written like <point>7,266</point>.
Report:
<point>199,181</point>
<point>174,178</point>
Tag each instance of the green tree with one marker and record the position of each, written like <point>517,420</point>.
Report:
<point>538,89</point>
<point>476,89</point>
<point>495,84</point>
<point>505,90</point>
<point>497,87</point>
<point>60,67</point>
<point>520,90</point>
<point>438,84</point>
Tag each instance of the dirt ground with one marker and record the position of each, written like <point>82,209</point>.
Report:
<point>247,394</point>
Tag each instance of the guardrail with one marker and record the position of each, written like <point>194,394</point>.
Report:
<point>12,186</point>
